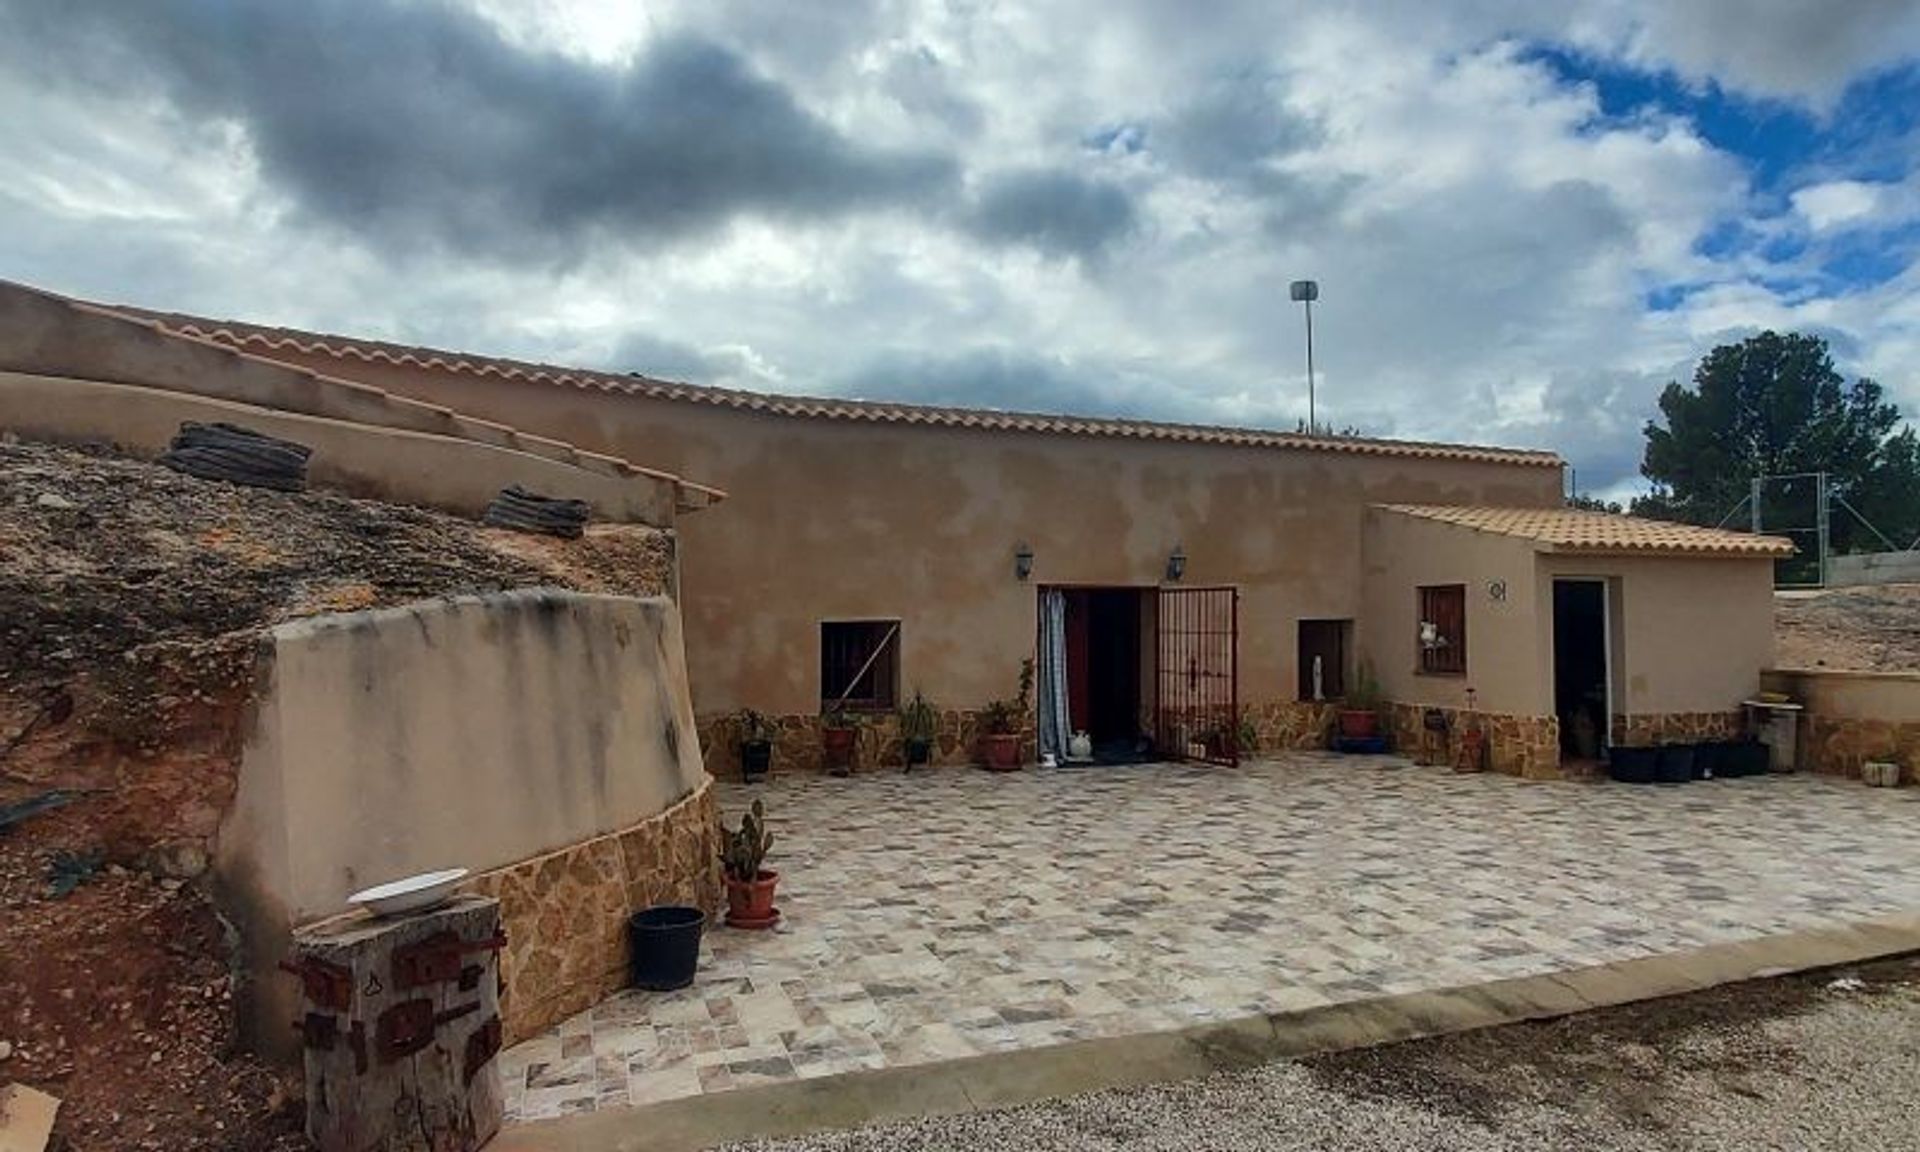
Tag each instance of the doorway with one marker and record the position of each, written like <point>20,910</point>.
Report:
<point>1582,667</point>
<point>1107,665</point>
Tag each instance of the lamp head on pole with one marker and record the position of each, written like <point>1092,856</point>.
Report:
<point>1304,290</point>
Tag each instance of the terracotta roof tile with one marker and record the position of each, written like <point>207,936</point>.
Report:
<point>266,341</point>
<point>1578,531</point>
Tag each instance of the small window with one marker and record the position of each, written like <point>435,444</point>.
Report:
<point>1325,641</point>
<point>860,658</point>
<point>1443,630</point>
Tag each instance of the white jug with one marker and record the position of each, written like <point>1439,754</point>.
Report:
<point>1080,747</point>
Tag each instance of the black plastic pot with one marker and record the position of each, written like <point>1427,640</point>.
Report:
<point>1743,758</point>
<point>1675,764</point>
<point>756,757</point>
<point>1707,757</point>
<point>919,752</point>
<point>665,943</point>
<point>1633,765</point>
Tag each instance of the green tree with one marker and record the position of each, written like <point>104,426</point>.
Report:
<point>1770,405</point>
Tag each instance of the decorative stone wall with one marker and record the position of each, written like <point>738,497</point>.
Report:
<point>565,912</point>
<point>796,743</point>
<point>1839,745</point>
<point>1284,725</point>
<point>1524,746</point>
<point>1646,730</point>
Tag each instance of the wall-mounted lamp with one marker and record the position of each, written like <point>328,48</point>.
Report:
<point>1176,564</point>
<point>1022,561</point>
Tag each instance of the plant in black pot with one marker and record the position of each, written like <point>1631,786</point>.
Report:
<point>750,886</point>
<point>839,732</point>
<point>919,722</point>
<point>756,744</point>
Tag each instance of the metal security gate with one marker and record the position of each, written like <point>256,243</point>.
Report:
<point>1197,679</point>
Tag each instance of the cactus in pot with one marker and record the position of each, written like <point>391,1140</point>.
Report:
<point>750,886</point>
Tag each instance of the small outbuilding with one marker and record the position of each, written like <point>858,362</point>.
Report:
<point>1565,630</point>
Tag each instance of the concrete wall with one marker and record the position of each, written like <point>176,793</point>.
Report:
<point>49,336</point>
<point>1873,568</point>
<point>1854,717</point>
<point>472,732</point>
<point>835,519</point>
<point>396,465</point>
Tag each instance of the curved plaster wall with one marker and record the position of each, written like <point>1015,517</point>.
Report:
<point>476,732</point>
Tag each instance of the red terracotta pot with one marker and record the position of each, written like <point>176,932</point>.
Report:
<point>837,744</point>
<point>750,902</point>
<point>1001,751</point>
<point>1359,724</point>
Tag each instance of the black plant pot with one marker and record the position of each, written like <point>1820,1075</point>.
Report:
<point>1633,765</point>
<point>665,946</point>
<point>756,757</point>
<point>918,752</point>
<point>1707,757</point>
<point>1675,765</point>
<point>1743,758</point>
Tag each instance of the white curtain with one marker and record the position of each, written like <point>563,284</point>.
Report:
<point>1054,722</point>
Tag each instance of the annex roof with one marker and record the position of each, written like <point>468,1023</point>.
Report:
<point>1573,530</point>
<point>266,341</point>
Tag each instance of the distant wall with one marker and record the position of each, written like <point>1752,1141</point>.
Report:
<point>376,463</point>
<point>1854,717</point>
<point>1874,568</point>
<point>476,732</point>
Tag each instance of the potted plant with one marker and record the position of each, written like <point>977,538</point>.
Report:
<point>1248,735</point>
<point>756,744</point>
<point>1360,710</point>
<point>918,724</point>
<point>1001,721</point>
<point>839,729</point>
<point>750,886</point>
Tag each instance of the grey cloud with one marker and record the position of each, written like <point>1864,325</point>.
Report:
<point>1230,130</point>
<point>1056,211</point>
<point>667,359</point>
<point>417,121</point>
<point>921,84</point>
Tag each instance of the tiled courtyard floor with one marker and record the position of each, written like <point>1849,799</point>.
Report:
<point>952,913</point>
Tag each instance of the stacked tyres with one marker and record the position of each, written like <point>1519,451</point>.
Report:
<point>525,511</point>
<point>238,456</point>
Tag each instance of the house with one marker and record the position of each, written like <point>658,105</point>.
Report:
<point>1172,578</point>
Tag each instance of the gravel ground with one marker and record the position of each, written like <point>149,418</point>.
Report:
<point>1795,1063</point>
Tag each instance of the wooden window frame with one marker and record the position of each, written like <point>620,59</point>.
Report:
<point>840,657</point>
<point>1432,602</point>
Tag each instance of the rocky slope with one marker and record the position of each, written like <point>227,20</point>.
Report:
<point>131,602</point>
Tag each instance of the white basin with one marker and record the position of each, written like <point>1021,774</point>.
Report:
<point>412,894</point>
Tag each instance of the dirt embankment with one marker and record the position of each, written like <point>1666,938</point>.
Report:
<point>132,600</point>
<point>1856,629</point>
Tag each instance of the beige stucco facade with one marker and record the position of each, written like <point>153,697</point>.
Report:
<point>830,519</point>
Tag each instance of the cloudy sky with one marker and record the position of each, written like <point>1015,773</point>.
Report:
<point>1523,224</point>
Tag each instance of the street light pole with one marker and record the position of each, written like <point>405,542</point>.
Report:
<point>1306,292</point>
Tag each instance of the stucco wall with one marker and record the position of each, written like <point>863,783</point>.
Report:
<point>473,732</point>
<point>1692,635</point>
<point>376,463</point>
<point>1503,635</point>
<point>831,519</point>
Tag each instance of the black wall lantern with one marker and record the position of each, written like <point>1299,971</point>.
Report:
<point>1022,561</point>
<point>1176,564</point>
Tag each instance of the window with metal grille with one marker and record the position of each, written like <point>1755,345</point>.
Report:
<point>1326,641</point>
<point>861,655</point>
<point>1443,629</point>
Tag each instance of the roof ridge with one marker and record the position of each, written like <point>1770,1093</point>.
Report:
<point>1591,530</point>
<point>241,334</point>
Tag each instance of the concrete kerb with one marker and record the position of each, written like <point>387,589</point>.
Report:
<point>1002,1080</point>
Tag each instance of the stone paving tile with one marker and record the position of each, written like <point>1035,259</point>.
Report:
<point>951,913</point>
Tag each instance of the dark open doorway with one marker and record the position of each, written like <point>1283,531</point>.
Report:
<point>1104,670</point>
<point>1580,667</point>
